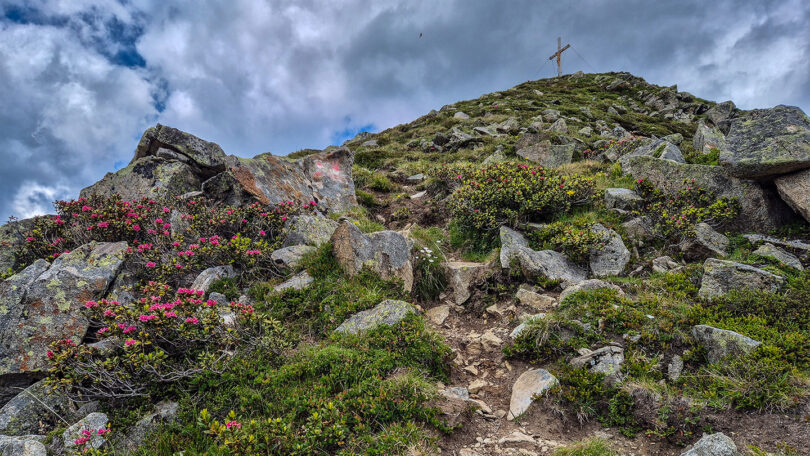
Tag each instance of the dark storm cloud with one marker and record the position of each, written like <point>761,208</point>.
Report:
<point>81,79</point>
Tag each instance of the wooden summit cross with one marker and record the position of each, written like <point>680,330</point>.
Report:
<point>558,54</point>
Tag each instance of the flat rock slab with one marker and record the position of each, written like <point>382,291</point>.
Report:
<point>312,230</point>
<point>777,254</point>
<point>388,312</point>
<point>31,408</point>
<point>26,445</point>
<point>290,257</point>
<point>764,143</point>
<point>720,277</point>
<point>722,343</point>
<point>530,384</point>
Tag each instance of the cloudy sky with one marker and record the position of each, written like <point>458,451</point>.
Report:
<point>81,79</point>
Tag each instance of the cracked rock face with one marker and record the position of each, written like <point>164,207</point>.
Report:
<point>49,308</point>
<point>388,253</point>
<point>169,162</point>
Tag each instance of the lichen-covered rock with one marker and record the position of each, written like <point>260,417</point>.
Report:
<point>657,149</point>
<point>720,115</point>
<point>312,230</point>
<point>717,444</point>
<point>530,384</point>
<point>722,343</point>
<point>796,246</point>
<point>588,285</point>
<point>12,235</point>
<point>32,409</point>
<point>720,277</point>
<point>665,264</point>
<point>153,177</point>
<point>707,138</point>
<point>534,263</point>
<point>162,140</point>
<point>26,445</point>
<point>706,242</point>
<point>296,282</point>
<point>211,275</point>
<point>559,126</point>
<point>775,253</point>
<point>92,422</point>
<point>768,142</point>
<point>51,307</point>
<point>795,191</point>
<point>163,413</point>
<point>388,312</point>
<point>287,258</point>
<point>607,360</point>
<point>760,206</point>
<point>462,276</point>
<point>621,198</point>
<point>388,253</point>
<point>612,257</point>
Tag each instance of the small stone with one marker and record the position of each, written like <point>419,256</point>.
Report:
<point>720,276</point>
<point>530,384</point>
<point>92,422</point>
<point>477,385</point>
<point>713,445</point>
<point>297,282</point>
<point>490,341</point>
<point>606,360</point>
<point>416,178</point>
<point>612,258</point>
<point>211,275</point>
<point>587,285</point>
<point>461,115</point>
<point>288,258</point>
<point>621,198</point>
<point>388,312</point>
<point>438,314</point>
<point>522,326</point>
<point>535,300</point>
<point>674,368</point>
<point>418,195</point>
<point>707,242</point>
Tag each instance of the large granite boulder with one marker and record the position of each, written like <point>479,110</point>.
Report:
<point>768,142</point>
<point>388,312</point>
<point>720,115</point>
<point>720,277</point>
<point>33,408</point>
<point>706,242</point>
<point>717,444</point>
<point>707,138</point>
<point>612,257</point>
<point>534,263</point>
<point>722,343</point>
<point>50,308</point>
<point>169,162</point>
<point>761,206</point>
<point>388,253</point>
<point>312,230</point>
<point>795,190</point>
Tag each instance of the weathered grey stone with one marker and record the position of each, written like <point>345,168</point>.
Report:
<point>621,198</point>
<point>296,282</point>
<point>290,257</point>
<point>707,138</point>
<point>164,413</point>
<point>795,191</point>
<point>179,145</point>
<point>612,257</point>
<point>675,368</point>
<point>509,126</point>
<point>796,246</point>
<point>530,384</point>
<point>720,277</point>
<point>497,157</point>
<point>92,422</point>
<point>438,314</point>
<point>588,285</point>
<point>311,230</point>
<point>416,178</point>
<point>713,445</point>
<point>462,276</point>
<point>707,242</point>
<point>607,360</point>
<point>211,275</point>
<point>50,310</point>
<point>775,253</point>
<point>150,176</point>
<point>639,228</point>
<point>461,115</point>
<point>768,142</point>
<point>389,312</point>
<point>721,113</point>
<point>559,126</point>
<point>664,264</point>
<point>760,206</point>
<point>585,131</point>
<point>33,408</point>
<point>550,115</point>
<point>533,263</point>
<point>657,149</point>
<point>535,300</point>
<point>675,138</point>
<point>370,143</point>
<point>544,154</point>
<point>386,252</point>
<point>524,324</point>
<point>27,445</point>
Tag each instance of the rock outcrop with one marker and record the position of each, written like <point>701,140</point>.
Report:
<point>720,277</point>
<point>169,162</point>
<point>533,263</point>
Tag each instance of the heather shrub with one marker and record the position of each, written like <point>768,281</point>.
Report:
<point>674,216</point>
<point>510,194</point>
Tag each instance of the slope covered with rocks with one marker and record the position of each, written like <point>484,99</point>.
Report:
<point>588,264</point>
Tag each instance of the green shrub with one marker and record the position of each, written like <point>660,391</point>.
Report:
<point>576,240</point>
<point>674,216</point>
<point>510,194</point>
<point>367,199</point>
<point>590,447</point>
